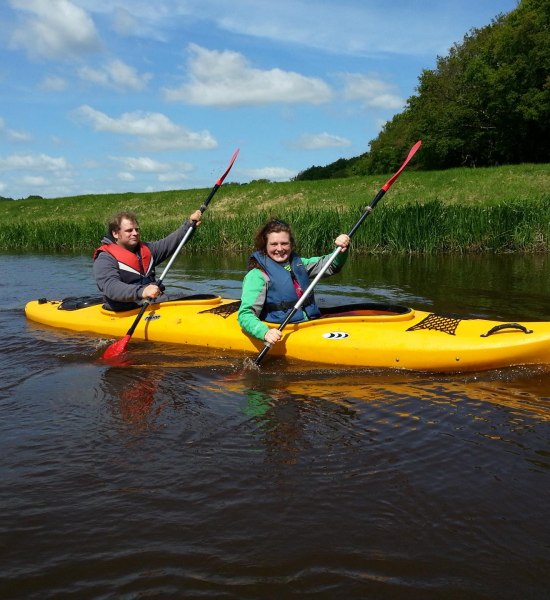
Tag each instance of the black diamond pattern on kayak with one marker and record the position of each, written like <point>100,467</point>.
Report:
<point>437,323</point>
<point>225,310</point>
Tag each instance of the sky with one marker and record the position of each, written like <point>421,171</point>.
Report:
<point>113,96</point>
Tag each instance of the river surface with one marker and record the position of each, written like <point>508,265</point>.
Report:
<point>171,478</point>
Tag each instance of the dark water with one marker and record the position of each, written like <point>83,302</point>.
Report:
<point>172,478</point>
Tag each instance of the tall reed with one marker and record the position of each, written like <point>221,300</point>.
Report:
<point>412,228</point>
<point>500,209</point>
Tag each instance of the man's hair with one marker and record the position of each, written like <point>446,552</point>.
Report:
<point>114,222</point>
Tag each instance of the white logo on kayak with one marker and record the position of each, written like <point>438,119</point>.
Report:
<point>335,335</point>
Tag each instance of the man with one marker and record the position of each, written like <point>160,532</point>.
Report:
<point>124,266</point>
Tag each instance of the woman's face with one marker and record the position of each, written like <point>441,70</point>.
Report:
<point>278,246</point>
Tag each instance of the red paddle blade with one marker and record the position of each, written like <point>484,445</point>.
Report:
<point>412,152</point>
<point>116,349</point>
<point>233,158</point>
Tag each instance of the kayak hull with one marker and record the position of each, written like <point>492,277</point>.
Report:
<point>363,335</point>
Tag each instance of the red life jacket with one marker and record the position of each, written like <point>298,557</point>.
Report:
<point>127,260</point>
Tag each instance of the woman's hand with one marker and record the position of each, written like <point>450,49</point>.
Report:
<point>272,336</point>
<point>343,241</point>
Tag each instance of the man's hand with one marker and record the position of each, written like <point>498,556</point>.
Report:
<point>151,291</point>
<point>196,216</point>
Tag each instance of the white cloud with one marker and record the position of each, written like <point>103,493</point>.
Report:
<point>352,27</point>
<point>370,27</point>
<point>116,74</point>
<point>91,164</point>
<point>142,18</point>
<point>34,180</point>
<point>19,136</point>
<point>170,177</point>
<point>320,141</point>
<point>142,163</point>
<point>35,162</point>
<point>371,92</point>
<point>166,172</point>
<point>12,134</point>
<point>154,130</point>
<point>124,22</point>
<point>270,173</point>
<point>56,29</point>
<point>227,79</point>
<point>53,83</point>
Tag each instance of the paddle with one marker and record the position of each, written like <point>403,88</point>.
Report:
<point>365,214</point>
<point>119,347</point>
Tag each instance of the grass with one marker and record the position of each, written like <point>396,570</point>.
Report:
<point>498,209</point>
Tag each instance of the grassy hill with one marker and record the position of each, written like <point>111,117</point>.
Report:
<point>488,209</point>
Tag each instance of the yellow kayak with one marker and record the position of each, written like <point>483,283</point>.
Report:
<point>355,335</point>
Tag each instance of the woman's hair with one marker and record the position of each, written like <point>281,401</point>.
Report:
<point>272,226</point>
<point>114,222</point>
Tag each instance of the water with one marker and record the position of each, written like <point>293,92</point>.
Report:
<point>172,478</point>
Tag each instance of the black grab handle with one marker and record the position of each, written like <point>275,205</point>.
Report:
<point>506,326</point>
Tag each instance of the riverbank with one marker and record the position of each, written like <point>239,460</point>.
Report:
<point>498,209</point>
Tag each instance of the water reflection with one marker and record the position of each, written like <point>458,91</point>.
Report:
<point>132,397</point>
<point>285,421</point>
<point>292,413</point>
<point>280,423</point>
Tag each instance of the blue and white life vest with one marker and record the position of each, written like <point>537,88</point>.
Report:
<point>284,289</point>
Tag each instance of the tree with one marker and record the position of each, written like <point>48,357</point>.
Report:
<point>486,103</point>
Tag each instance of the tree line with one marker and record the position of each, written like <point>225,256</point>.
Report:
<point>487,103</point>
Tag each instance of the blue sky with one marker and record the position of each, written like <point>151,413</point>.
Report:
<point>102,96</point>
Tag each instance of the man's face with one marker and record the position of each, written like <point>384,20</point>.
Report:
<point>127,235</point>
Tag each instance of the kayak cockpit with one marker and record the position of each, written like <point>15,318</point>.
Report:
<point>370,311</point>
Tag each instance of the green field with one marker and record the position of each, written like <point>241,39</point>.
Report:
<point>497,209</point>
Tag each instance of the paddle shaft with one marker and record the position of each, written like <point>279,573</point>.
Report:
<point>147,301</point>
<point>337,251</point>
<point>118,347</point>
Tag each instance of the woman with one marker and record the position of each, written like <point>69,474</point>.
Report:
<point>276,279</point>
